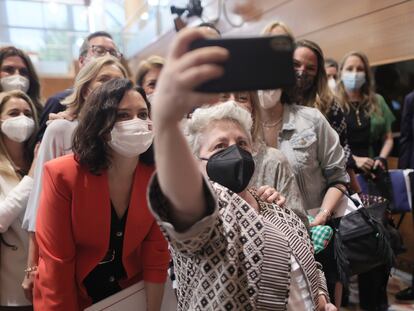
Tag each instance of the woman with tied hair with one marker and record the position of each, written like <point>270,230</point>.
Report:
<point>57,141</point>
<point>148,72</point>
<point>230,249</point>
<point>95,232</point>
<point>19,124</point>
<point>369,121</point>
<point>310,144</point>
<point>271,166</point>
<point>18,73</point>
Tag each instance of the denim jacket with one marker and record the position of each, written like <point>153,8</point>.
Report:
<point>314,152</point>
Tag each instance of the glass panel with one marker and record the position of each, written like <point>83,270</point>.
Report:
<point>23,13</point>
<point>80,18</point>
<point>27,39</point>
<point>56,15</point>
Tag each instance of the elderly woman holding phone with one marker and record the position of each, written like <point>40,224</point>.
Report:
<point>230,249</point>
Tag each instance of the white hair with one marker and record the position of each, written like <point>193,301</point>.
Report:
<point>203,117</point>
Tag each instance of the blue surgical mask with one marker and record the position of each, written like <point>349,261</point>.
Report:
<point>353,81</point>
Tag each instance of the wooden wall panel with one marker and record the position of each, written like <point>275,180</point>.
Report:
<point>53,85</point>
<point>384,29</point>
<point>304,16</point>
<point>386,35</point>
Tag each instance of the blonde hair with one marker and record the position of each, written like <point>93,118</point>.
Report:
<point>269,28</point>
<point>146,65</point>
<point>7,166</point>
<point>85,76</point>
<point>256,127</point>
<point>369,99</point>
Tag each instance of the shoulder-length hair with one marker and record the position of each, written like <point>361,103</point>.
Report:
<point>369,100</point>
<point>90,140</point>
<point>146,65</point>
<point>85,76</point>
<point>7,166</point>
<point>319,95</point>
<point>34,87</point>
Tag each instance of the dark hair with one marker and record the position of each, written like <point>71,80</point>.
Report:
<point>34,88</point>
<point>319,95</point>
<point>330,62</point>
<point>96,120</point>
<point>210,25</point>
<point>83,50</point>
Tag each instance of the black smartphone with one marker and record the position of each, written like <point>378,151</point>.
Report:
<point>257,63</point>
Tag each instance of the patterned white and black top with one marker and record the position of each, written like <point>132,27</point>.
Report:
<point>235,258</point>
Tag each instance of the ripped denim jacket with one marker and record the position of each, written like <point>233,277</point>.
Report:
<point>313,149</point>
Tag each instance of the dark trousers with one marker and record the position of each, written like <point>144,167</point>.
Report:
<point>373,289</point>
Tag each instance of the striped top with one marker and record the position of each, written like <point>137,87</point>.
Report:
<point>230,260</point>
<point>275,273</point>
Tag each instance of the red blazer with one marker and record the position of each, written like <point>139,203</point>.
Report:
<point>73,227</point>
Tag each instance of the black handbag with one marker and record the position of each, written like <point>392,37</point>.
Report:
<point>361,241</point>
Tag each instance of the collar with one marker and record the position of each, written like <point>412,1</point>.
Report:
<point>288,118</point>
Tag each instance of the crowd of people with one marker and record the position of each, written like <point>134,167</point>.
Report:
<point>119,179</point>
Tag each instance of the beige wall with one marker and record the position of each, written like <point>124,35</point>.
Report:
<point>53,85</point>
<point>384,29</point>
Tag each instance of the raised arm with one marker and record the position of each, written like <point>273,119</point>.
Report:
<point>179,176</point>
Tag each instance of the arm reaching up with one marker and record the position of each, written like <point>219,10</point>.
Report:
<point>178,173</point>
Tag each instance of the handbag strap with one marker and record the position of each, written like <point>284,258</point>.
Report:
<point>356,203</point>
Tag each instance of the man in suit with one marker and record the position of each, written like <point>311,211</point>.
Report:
<point>97,44</point>
<point>406,160</point>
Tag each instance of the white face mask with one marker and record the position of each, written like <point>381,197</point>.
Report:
<point>15,82</point>
<point>131,138</point>
<point>150,97</point>
<point>18,129</point>
<point>332,84</point>
<point>269,98</point>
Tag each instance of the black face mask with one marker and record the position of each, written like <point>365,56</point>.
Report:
<point>304,83</point>
<point>232,168</point>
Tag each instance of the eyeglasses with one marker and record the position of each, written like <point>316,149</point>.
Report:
<point>11,70</point>
<point>99,51</point>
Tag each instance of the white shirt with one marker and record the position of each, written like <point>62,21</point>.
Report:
<point>299,293</point>
<point>56,142</point>
<point>14,194</point>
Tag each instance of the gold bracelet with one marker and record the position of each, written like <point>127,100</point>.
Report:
<point>29,270</point>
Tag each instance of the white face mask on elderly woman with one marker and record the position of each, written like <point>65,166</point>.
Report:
<point>15,82</point>
<point>131,138</point>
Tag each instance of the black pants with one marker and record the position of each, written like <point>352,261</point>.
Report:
<point>327,259</point>
<point>373,289</point>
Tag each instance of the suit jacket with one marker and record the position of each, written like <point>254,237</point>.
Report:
<point>406,157</point>
<point>73,228</point>
<point>14,194</point>
<point>52,105</point>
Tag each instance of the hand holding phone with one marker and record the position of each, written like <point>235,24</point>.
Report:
<point>257,63</point>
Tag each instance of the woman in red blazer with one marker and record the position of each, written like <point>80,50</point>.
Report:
<point>95,232</point>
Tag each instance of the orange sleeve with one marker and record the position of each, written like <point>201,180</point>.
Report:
<point>55,285</point>
<point>155,256</point>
